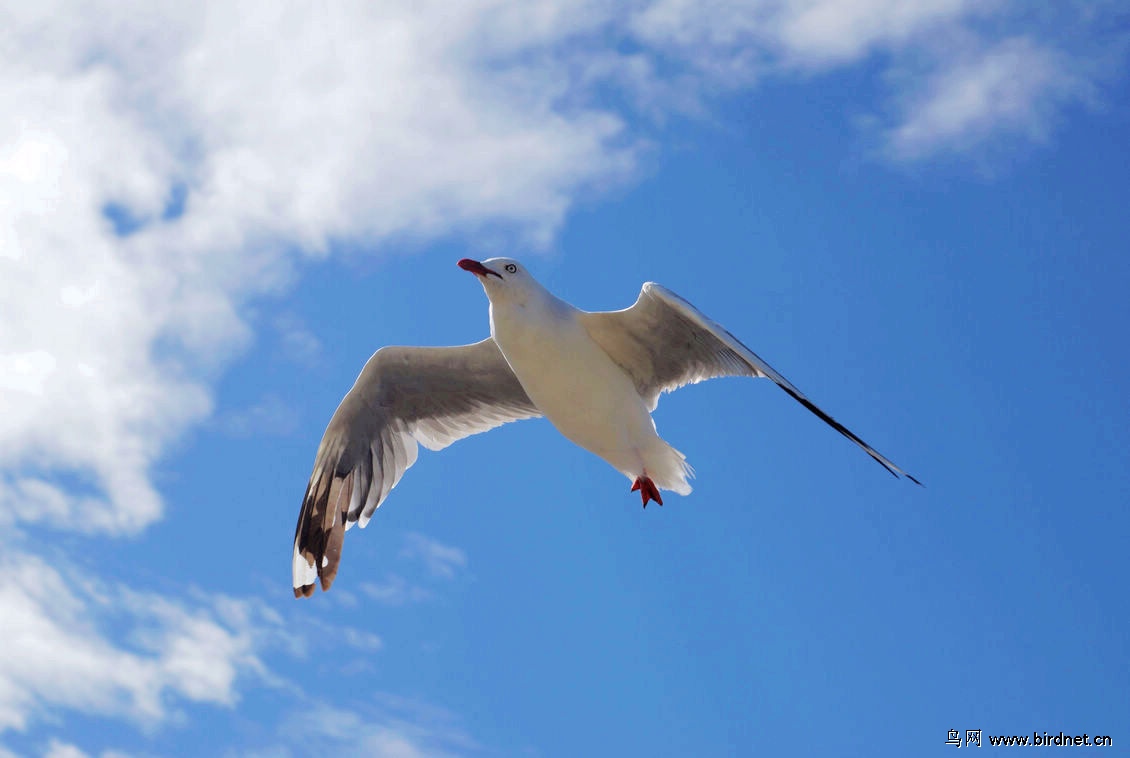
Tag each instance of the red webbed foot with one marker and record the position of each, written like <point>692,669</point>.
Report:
<point>647,489</point>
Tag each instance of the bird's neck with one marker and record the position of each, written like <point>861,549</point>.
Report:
<point>534,309</point>
<point>532,300</point>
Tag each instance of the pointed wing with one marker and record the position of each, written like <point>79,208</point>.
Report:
<point>663,342</point>
<point>405,395</point>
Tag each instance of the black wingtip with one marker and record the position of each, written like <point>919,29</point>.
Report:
<point>897,473</point>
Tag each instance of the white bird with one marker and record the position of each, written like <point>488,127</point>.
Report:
<point>596,376</point>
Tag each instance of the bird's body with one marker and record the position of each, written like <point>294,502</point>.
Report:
<point>594,404</point>
<point>595,376</point>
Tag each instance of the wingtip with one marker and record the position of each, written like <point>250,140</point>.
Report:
<point>898,473</point>
<point>325,578</point>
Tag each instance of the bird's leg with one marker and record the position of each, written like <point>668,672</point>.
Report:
<point>648,490</point>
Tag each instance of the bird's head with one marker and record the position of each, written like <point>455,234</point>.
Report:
<point>504,279</point>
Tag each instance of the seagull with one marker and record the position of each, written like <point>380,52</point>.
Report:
<point>595,376</point>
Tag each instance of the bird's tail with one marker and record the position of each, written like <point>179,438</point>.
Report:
<point>667,467</point>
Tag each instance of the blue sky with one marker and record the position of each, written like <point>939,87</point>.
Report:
<point>914,211</point>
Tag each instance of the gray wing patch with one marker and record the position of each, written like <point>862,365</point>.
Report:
<point>663,343</point>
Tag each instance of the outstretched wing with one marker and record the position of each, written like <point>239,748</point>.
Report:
<point>663,342</point>
<point>405,395</point>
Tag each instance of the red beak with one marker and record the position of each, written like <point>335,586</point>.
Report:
<point>477,268</point>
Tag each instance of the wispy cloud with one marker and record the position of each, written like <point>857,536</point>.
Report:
<point>58,650</point>
<point>366,642</point>
<point>57,749</point>
<point>30,498</point>
<point>268,416</point>
<point>442,560</point>
<point>395,590</point>
<point>1014,87</point>
<point>393,727</point>
<point>957,73</point>
<point>298,343</point>
<point>438,560</point>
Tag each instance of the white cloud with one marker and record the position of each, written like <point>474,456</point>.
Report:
<point>736,40</point>
<point>960,73</point>
<point>57,749</point>
<point>1014,87</point>
<point>58,650</point>
<point>442,560</point>
<point>828,32</point>
<point>392,727</point>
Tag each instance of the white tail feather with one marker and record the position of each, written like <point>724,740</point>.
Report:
<point>667,467</point>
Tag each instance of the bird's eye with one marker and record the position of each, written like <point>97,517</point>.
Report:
<point>511,268</point>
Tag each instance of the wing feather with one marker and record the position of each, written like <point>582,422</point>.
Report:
<point>404,397</point>
<point>663,342</point>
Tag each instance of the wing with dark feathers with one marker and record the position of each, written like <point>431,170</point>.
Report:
<point>405,396</point>
<point>663,342</point>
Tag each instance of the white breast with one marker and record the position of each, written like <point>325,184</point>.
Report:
<point>572,380</point>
